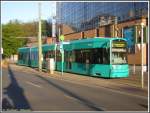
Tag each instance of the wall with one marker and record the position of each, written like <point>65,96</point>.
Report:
<point>136,58</point>
<point>66,29</point>
<point>109,31</point>
<point>73,36</point>
<point>90,33</point>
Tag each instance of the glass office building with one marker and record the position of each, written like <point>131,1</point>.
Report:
<point>81,16</point>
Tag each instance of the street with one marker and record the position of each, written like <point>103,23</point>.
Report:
<point>30,91</point>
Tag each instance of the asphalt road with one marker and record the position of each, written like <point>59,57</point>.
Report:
<point>24,91</point>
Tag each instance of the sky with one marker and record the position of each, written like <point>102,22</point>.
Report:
<point>26,11</point>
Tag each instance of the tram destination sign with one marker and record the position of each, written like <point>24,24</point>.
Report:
<point>119,44</point>
<point>118,50</point>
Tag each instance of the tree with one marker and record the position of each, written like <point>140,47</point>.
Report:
<point>9,41</point>
<point>15,28</point>
<point>46,28</point>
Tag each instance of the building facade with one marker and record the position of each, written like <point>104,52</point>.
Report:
<point>77,20</point>
<point>81,16</point>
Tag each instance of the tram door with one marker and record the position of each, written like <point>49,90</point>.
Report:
<point>87,61</point>
<point>68,60</point>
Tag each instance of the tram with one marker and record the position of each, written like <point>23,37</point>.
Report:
<point>100,57</point>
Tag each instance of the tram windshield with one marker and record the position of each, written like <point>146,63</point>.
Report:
<point>119,52</point>
<point>119,58</point>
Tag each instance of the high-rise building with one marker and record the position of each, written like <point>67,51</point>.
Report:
<point>77,20</point>
<point>81,16</point>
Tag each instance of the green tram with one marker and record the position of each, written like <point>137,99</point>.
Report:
<point>100,57</point>
<point>24,56</point>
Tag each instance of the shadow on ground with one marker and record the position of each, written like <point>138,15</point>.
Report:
<point>16,99</point>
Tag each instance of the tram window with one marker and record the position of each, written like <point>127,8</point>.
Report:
<point>79,56</point>
<point>27,56</point>
<point>82,56</point>
<point>32,55</point>
<point>23,56</point>
<point>100,56</point>
<point>119,58</point>
<point>67,55</point>
<point>35,55</point>
<point>58,55</point>
<point>50,54</point>
<point>106,58</point>
<point>92,56</point>
<point>73,56</point>
<point>19,56</point>
<point>44,55</point>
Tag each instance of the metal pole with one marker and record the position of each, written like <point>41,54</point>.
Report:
<point>55,54</point>
<point>39,40</point>
<point>62,52</point>
<point>116,29</point>
<point>54,35</point>
<point>142,74</point>
<point>122,33</point>
<point>62,58</point>
<point>59,31</point>
<point>53,27</point>
<point>135,47</point>
<point>136,34</point>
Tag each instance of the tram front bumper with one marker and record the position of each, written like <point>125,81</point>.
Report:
<point>119,71</point>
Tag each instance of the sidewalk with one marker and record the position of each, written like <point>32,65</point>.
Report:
<point>129,85</point>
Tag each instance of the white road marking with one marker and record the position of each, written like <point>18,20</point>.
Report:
<point>34,84</point>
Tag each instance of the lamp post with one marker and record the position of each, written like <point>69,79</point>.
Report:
<point>116,28</point>
<point>54,26</point>
<point>62,52</point>
<point>39,40</point>
<point>135,47</point>
<point>142,73</point>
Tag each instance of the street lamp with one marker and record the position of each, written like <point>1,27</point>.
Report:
<point>142,73</point>
<point>116,28</point>
<point>39,39</point>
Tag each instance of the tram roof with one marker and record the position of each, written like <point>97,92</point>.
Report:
<point>23,49</point>
<point>95,39</point>
<point>47,47</point>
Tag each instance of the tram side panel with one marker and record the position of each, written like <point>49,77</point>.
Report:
<point>24,56</point>
<point>34,57</point>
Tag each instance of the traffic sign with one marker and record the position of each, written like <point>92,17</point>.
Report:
<point>61,37</point>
